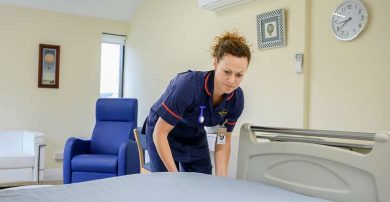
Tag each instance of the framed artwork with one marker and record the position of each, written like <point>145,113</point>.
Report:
<point>49,66</point>
<point>271,31</point>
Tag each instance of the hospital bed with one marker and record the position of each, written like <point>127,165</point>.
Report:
<point>280,170</point>
<point>334,165</point>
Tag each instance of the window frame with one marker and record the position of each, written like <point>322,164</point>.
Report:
<point>119,40</point>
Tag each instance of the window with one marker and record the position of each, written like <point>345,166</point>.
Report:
<point>111,70</point>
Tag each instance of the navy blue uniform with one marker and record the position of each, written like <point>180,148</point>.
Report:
<point>179,105</point>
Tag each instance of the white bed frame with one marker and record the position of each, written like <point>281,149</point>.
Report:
<point>317,170</point>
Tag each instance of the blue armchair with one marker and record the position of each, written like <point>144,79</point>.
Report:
<point>112,150</point>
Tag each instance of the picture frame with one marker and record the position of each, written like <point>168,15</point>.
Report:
<point>271,30</point>
<point>49,66</point>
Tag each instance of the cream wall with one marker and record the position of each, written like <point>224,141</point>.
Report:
<point>171,36</point>
<point>349,85</point>
<point>344,85</point>
<point>59,113</point>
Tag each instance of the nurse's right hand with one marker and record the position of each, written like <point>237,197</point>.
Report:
<point>160,138</point>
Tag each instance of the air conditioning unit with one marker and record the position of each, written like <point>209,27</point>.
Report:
<point>214,5</point>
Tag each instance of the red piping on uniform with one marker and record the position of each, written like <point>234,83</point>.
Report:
<point>171,112</point>
<point>231,123</point>
<point>230,97</point>
<point>205,84</point>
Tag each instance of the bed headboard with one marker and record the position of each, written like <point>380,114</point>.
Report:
<point>318,170</point>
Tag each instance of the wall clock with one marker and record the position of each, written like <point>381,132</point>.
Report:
<point>349,19</point>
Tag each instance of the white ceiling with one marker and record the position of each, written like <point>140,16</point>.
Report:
<point>110,9</point>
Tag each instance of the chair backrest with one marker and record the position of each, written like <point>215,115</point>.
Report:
<point>115,120</point>
<point>11,142</point>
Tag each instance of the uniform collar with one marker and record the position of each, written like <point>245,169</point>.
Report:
<point>209,85</point>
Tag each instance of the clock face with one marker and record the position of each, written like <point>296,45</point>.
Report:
<point>349,19</point>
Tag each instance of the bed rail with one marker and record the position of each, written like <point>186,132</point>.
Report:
<point>317,133</point>
<point>316,136</point>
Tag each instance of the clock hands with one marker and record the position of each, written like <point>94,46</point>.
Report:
<point>339,15</point>
<point>344,22</point>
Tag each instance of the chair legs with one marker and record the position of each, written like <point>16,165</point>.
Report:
<point>140,153</point>
<point>144,171</point>
<point>39,161</point>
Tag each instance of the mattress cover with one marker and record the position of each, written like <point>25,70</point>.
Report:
<point>189,187</point>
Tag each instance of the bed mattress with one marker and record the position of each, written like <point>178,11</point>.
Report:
<point>189,187</point>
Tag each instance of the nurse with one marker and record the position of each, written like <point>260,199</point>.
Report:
<point>175,131</point>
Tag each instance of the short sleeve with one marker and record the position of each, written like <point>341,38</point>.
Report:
<point>235,110</point>
<point>179,95</point>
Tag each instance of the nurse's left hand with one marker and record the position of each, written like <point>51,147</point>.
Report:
<point>221,156</point>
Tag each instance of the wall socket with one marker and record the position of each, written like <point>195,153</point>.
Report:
<point>58,156</point>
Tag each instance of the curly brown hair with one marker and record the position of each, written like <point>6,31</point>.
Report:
<point>230,42</point>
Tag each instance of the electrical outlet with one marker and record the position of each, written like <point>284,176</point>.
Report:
<point>58,156</point>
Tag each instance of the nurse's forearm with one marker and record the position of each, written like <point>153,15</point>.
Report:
<point>160,138</point>
<point>165,153</point>
<point>222,155</point>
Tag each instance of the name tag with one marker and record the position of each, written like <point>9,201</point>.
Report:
<point>221,135</point>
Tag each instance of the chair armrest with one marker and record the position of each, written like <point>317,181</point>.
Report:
<point>73,147</point>
<point>31,140</point>
<point>142,139</point>
<point>128,158</point>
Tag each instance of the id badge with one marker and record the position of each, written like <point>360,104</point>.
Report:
<point>221,135</point>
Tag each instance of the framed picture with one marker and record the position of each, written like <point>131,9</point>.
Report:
<point>271,31</point>
<point>49,66</point>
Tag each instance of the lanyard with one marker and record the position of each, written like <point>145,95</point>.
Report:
<point>201,116</point>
